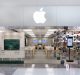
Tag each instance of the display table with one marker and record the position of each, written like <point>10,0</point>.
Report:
<point>48,51</point>
<point>30,51</point>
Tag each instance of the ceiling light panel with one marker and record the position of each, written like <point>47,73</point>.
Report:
<point>30,32</point>
<point>27,30</point>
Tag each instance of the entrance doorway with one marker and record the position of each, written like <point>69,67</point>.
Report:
<point>48,45</point>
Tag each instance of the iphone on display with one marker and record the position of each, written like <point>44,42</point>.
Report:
<point>69,41</point>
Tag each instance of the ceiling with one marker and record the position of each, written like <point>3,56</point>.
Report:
<point>38,2</point>
<point>40,31</point>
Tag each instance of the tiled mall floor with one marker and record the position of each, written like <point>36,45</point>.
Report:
<point>46,71</point>
<point>40,69</point>
<point>39,65</point>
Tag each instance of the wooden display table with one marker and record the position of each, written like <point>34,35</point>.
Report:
<point>48,51</point>
<point>30,51</point>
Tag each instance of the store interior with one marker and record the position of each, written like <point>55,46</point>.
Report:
<point>39,45</point>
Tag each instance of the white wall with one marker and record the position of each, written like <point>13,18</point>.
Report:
<point>14,53</point>
<point>55,15</point>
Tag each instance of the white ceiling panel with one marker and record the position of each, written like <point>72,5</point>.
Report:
<point>38,2</point>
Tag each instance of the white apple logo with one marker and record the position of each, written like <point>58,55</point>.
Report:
<point>39,16</point>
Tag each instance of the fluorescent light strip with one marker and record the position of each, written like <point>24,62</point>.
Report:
<point>27,30</point>
<point>32,35</point>
<point>30,32</point>
<point>49,33</point>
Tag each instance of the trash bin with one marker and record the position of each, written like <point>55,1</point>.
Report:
<point>62,61</point>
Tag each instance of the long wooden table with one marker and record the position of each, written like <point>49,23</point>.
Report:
<point>30,51</point>
<point>48,51</point>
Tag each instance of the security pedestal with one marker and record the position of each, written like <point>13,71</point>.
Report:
<point>69,60</point>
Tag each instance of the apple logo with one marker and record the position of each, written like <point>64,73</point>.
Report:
<point>39,16</point>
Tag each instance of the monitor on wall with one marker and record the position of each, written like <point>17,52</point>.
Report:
<point>35,41</point>
<point>44,41</point>
<point>11,44</point>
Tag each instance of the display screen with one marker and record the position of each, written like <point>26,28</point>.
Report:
<point>11,44</point>
<point>69,41</point>
<point>44,41</point>
<point>35,41</point>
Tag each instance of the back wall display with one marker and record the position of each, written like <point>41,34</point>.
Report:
<point>11,44</point>
<point>35,41</point>
<point>44,41</point>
